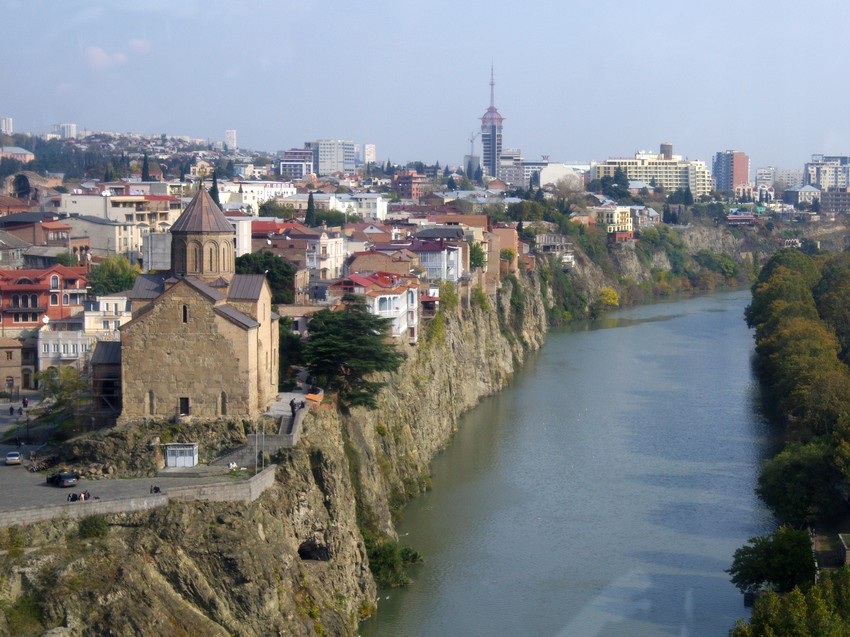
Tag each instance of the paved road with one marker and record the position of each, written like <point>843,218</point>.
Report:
<point>21,488</point>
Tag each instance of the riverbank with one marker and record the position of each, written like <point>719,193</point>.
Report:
<point>603,492</point>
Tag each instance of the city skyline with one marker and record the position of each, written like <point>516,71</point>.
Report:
<point>575,82</point>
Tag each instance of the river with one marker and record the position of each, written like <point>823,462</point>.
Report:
<point>603,494</point>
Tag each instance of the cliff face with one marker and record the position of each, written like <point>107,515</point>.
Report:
<point>294,561</point>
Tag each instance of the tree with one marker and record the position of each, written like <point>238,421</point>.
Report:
<point>214,190</point>
<point>779,561</point>
<point>347,348</point>
<point>798,484</point>
<point>689,197</point>
<point>310,216</point>
<point>450,184</point>
<point>608,297</point>
<point>279,272</point>
<point>65,258</point>
<point>63,384</point>
<point>146,171</point>
<point>477,256</point>
<point>113,274</point>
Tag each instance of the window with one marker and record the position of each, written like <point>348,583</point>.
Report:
<point>151,403</point>
<point>64,299</point>
<point>55,348</point>
<point>106,325</point>
<point>8,356</point>
<point>185,313</point>
<point>45,348</point>
<point>54,282</point>
<point>73,348</point>
<point>116,324</point>
<point>184,406</point>
<point>54,299</point>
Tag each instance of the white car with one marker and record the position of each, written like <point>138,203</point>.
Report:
<point>14,457</point>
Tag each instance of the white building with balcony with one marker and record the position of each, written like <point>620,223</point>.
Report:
<point>389,296</point>
<point>71,341</point>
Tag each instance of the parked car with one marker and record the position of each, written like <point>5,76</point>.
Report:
<point>63,479</point>
<point>14,457</point>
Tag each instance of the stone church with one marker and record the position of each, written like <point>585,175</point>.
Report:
<point>203,341</point>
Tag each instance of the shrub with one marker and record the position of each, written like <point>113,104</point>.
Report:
<point>93,526</point>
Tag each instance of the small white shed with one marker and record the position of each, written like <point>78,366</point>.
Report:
<point>181,454</point>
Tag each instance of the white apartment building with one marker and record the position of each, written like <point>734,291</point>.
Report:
<point>254,193</point>
<point>5,125</point>
<point>326,256</point>
<point>332,156</point>
<point>108,238</point>
<point>768,176</point>
<point>826,172</point>
<point>71,341</point>
<point>664,169</point>
<point>370,154</point>
<point>370,206</point>
<point>230,139</point>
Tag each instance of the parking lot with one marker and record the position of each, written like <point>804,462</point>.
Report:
<point>21,488</point>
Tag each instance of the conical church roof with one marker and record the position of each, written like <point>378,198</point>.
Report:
<point>202,215</point>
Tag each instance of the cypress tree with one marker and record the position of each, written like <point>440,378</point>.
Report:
<point>214,191</point>
<point>146,171</point>
<point>310,216</point>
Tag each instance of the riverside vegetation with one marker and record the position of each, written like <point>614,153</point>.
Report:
<point>801,313</point>
<point>304,558</point>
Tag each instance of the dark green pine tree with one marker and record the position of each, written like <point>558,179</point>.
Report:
<point>347,348</point>
<point>214,191</point>
<point>450,184</point>
<point>146,170</point>
<point>310,216</point>
<point>107,175</point>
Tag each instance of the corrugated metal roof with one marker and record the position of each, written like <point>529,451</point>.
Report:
<point>235,316</point>
<point>204,289</point>
<point>107,353</point>
<point>202,215</point>
<point>147,286</point>
<point>246,287</point>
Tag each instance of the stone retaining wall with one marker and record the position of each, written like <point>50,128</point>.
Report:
<point>228,490</point>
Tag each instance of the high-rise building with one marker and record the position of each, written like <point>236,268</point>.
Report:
<point>779,178</point>
<point>491,134</point>
<point>730,170</point>
<point>5,125</point>
<point>332,156</point>
<point>66,131</point>
<point>230,139</point>
<point>370,154</point>
<point>827,171</point>
<point>296,163</point>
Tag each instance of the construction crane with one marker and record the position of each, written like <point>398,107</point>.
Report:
<point>472,142</point>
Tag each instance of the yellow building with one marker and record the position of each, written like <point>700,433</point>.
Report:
<point>664,170</point>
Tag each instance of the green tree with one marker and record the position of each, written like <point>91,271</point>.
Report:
<point>345,350</point>
<point>113,274</point>
<point>279,272</point>
<point>214,190</point>
<point>310,216</point>
<point>779,561</point>
<point>477,255</point>
<point>798,484</point>
<point>62,384</point>
<point>65,258</point>
<point>450,184</point>
<point>146,171</point>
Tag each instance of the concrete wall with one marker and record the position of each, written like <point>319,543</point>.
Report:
<point>228,490</point>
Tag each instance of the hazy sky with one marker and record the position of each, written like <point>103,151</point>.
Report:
<point>574,80</point>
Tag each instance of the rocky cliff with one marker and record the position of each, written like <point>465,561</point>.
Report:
<point>294,561</point>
